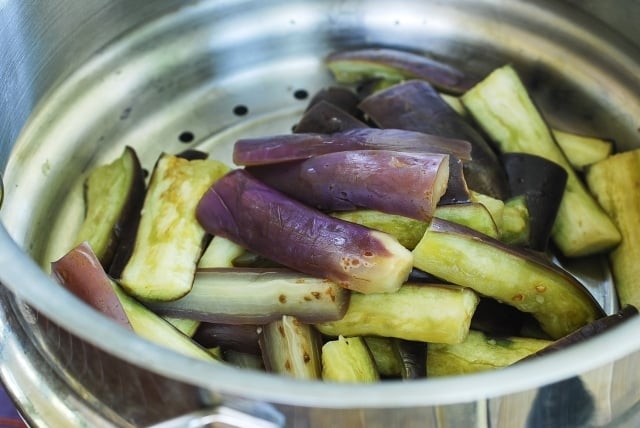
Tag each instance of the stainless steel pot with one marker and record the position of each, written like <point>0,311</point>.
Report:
<point>79,80</point>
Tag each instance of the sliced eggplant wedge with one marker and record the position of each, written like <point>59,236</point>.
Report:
<point>359,65</point>
<point>506,273</point>
<point>291,147</point>
<point>267,222</point>
<point>417,106</point>
<point>582,151</point>
<point>516,223</point>
<point>238,337</point>
<point>385,356</point>
<point>326,118</point>
<point>81,273</point>
<point>402,183</point>
<point>170,240</point>
<point>343,98</point>
<point>257,296</point>
<point>291,348</point>
<point>113,195</point>
<point>348,360</point>
<point>479,352</point>
<point>614,182</point>
<point>424,313</point>
<point>501,105</point>
<point>543,183</point>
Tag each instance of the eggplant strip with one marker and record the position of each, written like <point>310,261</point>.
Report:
<point>290,147</point>
<point>267,222</point>
<point>408,184</point>
<point>257,296</point>
<point>416,106</point>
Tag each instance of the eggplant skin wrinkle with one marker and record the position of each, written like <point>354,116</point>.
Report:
<point>265,221</point>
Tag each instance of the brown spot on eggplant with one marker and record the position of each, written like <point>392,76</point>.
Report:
<point>282,298</point>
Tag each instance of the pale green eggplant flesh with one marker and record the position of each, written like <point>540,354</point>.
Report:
<point>348,360</point>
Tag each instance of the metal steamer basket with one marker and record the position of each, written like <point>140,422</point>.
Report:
<point>80,80</point>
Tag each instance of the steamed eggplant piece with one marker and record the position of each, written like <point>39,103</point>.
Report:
<point>588,331</point>
<point>417,106</point>
<point>385,356</point>
<point>501,105</point>
<point>354,66</point>
<point>291,147</point>
<point>291,348</point>
<point>257,296</point>
<point>582,151</point>
<point>516,222</point>
<point>341,97</point>
<point>498,319</point>
<point>113,195</point>
<point>478,353</point>
<point>348,360</point>
<point>243,360</point>
<point>170,240</point>
<point>220,253</point>
<point>509,274</point>
<point>265,221</point>
<point>238,337</point>
<point>81,273</point>
<point>413,355</point>
<point>420,312</point>
<point>542,182</point>
<point>615,182</point>
<point>326,118</point>
<point>408,184</point>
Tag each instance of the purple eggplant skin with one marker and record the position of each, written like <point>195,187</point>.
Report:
<point>390,63</point>
<point>416,106</point>
<point>414,358</point>
<point>291,147</point>
<point>326,118</point>
<point>236,337</point>
<point>80,272</point>
<point>543,183</point>
<point>407,184</point>
<point>588,331</point>
<point>343,98</point>
<point>244,210</point>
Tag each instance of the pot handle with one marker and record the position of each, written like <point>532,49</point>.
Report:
<point>223,416</point>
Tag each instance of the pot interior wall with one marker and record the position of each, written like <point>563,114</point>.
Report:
<point>188,71</point>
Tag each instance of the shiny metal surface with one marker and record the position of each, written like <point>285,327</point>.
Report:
<point>110,82</point>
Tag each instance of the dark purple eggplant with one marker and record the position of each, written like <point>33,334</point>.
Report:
<point>343,98</point>
<point>326,118</point>
<point>588,331</point>
<point>290,147</point>
<point>543,183</point>
<point>238,337</point>
<point>510,274</point>
<point>391,64</point>
<point>408,184</point>
<point>193,154</point>
<point>414,358</point>
<point>416,106</point>
<point>265,221</point>
<point>497,319</point>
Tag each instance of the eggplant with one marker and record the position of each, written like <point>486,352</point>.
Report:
<point>420,312</point>
<point>502,106</point>
<point>238,337</point>
<point>243,360</point>
<point>348,360</point>
<point>113,195</point>
<point>408,184</point>
<point>478,353</point>
<point>582,151</point>
<point>185,326</point>
<point>588,331</point>
<point>193,154</point>
<point>80,272</point>
<point>496,318</point>
<point>291,147</point>
<point>473,215</point>
<point>343,98</point>
<point>416,106</point>
<point>265,221</point>
<point>220,253</point>
<point>353,66</point>
<point>614,183</point>
<point>385,356</point>
<point>516,223</point>
<point>413,355</point>
<point>543,183</point>
<point>291,348</point>
<point>513,275</point>
<point>169,240</point>
<point>326,118</point>
<point>257,296</point>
